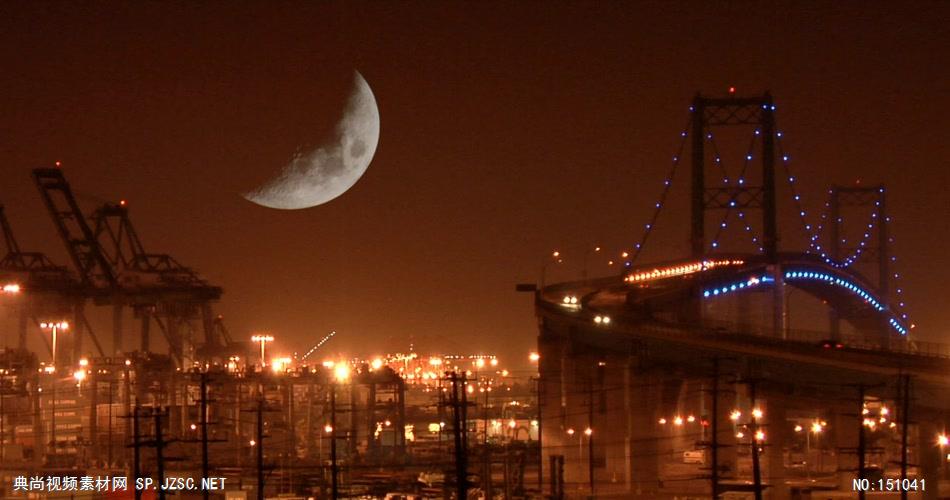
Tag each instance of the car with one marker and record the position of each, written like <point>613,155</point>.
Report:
<point>831,344</point>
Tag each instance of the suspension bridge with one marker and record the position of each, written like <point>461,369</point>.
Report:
<point>743,368</point>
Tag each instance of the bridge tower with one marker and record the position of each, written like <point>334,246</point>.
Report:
<point>757,112</point>
<point>709,112</point>
<point>867,197</point>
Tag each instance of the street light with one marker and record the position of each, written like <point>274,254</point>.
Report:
<point>262,339</point>
<point>11,288</point>
<point>341,372</point>
<point>280,365</point>
<point>816,429</point>
<point>586,255</point>
<point>54,327</point>
<point>555,258</point>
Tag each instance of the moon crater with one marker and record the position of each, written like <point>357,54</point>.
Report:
<point>329,170</point>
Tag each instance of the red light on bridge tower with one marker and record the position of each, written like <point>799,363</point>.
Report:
<point>732,90</point>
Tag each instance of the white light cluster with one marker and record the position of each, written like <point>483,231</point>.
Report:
<point>571,302</point>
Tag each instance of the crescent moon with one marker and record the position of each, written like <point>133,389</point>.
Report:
<point>329,170</point>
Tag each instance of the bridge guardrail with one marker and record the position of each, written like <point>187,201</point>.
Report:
<point>867,342</point>
<point>852,341</point>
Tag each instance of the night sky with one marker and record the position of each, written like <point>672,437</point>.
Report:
<point>508,130</point>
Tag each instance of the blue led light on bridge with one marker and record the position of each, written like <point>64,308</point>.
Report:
<point>658,205</point>
<point>739,285</point>
<point>897,326</point>
<point>732,202</point>
<point>814,228</point>
<point>848,285</point>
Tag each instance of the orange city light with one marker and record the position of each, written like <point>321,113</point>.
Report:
<point>671,271</point>
<point>341,371</point>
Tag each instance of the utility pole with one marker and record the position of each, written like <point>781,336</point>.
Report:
<point>714,431</point>
<point>904,389</point>
<point>459,429</point>
<point>3,436</point>
<point>260,446</point>
<point>291,452</point>
<point>204,430</point>
<point>238,393</point>
<point>159,455</point>
<point>111,387</point>
<point>464,429</point>
<point>540,447</point>
<point>158,442</point>
<point>590,434</point>
<point>862,445</point>
<point>258,442</point>
<point>203,423</point>
<point>52,428</point>
<point>334,468</point>
<point>557,477</point>
<point>136,455</point>
<point>754,428</point>
<point>486,450</point>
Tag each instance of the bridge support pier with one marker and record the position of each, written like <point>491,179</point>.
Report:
<point>644,446</point>
<point>844,434</point>
<point>550,394</point>
<point>612,404</point>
